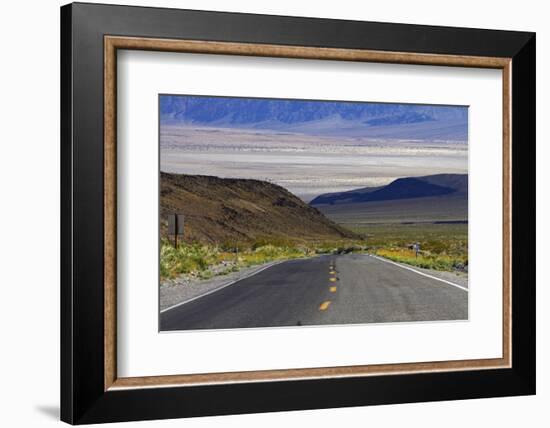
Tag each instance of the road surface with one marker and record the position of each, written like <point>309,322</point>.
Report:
<point>333,289</point>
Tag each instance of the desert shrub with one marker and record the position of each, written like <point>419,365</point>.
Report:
<point>186,258</point>
<point>198,259</point>
<point>424,260</point>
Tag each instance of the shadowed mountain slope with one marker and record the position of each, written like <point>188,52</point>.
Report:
<point>402,188</point>
<point>228,211</point>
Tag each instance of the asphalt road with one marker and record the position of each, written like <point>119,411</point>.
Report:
<point>335,289</point>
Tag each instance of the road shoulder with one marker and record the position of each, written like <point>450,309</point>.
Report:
<point>179,292</point>
<point>458,278</point>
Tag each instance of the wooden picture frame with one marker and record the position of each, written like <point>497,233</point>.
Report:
<point>91,390</point>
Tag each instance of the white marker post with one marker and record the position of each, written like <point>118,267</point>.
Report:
<point>416,249</point>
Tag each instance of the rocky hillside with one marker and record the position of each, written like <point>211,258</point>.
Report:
<point>228,211</point>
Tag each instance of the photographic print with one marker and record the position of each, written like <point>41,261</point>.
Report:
<point>291,212</point>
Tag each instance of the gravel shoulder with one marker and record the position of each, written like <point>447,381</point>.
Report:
<point>460,278</point>
<point>181,290</point>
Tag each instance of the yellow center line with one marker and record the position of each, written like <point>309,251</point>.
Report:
<point>332,279</point>
<point>332,272</point>
<point>324,306</point>
<point>333,289</point>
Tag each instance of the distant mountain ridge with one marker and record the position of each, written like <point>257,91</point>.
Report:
<point>352,119</point>
<point>228,211</point>
<point>402,188</point>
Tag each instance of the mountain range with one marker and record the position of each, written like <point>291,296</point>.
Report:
<point>230,210</point>
<point>334,118</point>
<point>402,188</point>
<point>429,199</point>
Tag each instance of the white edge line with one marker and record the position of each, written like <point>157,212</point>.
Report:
<point>420,273</point>
<point>222,286</point>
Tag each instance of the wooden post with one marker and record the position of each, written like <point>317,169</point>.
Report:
<point>176,231</point>
<point>176,223</point>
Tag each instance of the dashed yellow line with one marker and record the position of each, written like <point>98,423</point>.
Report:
<point>332,279</point>
<point>324,306</point>
<point>332,289</point>
<point>332,272</point>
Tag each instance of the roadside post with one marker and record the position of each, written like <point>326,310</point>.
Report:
<point>416,249</point>
<point>176,224</point>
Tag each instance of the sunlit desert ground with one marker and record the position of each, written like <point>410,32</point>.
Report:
<point>304,164</point>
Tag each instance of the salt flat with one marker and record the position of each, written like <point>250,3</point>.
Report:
<point>307,165</point>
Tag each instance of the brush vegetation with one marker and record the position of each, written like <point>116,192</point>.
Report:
<point>204,260</point>
<point>442,246</point>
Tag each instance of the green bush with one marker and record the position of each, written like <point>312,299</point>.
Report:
<point>186,258</point>
<point>199,260</point>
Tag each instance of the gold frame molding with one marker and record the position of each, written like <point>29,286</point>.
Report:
<point>113,43</point>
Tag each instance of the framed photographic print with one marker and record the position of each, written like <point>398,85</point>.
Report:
<point>265,213</point>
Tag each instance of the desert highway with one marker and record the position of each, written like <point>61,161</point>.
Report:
<point>332,289</point>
